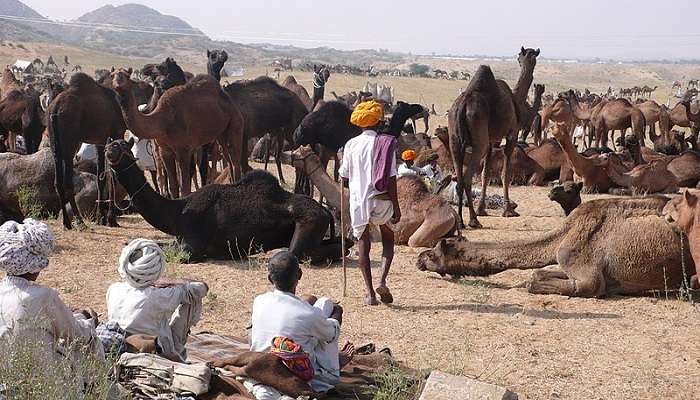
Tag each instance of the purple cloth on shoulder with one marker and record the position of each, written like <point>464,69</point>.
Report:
<point>384,152</point>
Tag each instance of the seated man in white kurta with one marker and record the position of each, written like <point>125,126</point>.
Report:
<point>315,328</point>
<point>31,312</point>
<point>144,304</point>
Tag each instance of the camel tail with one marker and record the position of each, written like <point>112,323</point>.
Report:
<point>55,142</point>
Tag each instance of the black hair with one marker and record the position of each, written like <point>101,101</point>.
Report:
<point>283,270</point>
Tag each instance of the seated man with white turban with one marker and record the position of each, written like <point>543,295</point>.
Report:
<point>29,311</point>
<point>144,304</point>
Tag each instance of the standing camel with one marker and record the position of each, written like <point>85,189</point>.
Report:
<point>617,114</point>
<point>528,114</point>
<point>186,118</point>
<point>482,116</point>
<point>83,113</point>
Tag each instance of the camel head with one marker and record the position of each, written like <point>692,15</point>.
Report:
<point>119,151</point>
<point>304,158</point>
<point>121,80</point>
<point>455,256</point>
<point>560,132</point>
<point>539,89</point>
<point>442,134</point>
<point>682,211</point>
<point>323,72</point>
<point>567,195</point>
<point>528,58</point>
<point>217,57</point>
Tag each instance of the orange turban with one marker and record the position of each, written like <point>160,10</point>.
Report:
<point>367,114</point>
<point>408,155</point>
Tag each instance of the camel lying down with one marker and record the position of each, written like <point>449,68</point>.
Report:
<point>610,246</point>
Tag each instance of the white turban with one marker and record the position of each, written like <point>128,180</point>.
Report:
<point>145,270</point>
<point>24,248</point>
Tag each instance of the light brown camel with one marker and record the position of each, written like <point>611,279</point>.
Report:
<point>605,247</point>
<point>526,171</point>
<point>291,83</point>
<point>591,170</point>
<point>684,212</point>
<point>8,83</point>
<point>652,177</point>
<point>552,159</point>
<point>686,169</point>
<point>425,219</point>
<point>652,112</point>
<point>186,118</point>
<point>617,114</point>
<point>481,117</point>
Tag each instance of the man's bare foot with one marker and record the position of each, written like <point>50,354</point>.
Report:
<point>346,354</point>
<point>371,300</point>
<point>385,294</point>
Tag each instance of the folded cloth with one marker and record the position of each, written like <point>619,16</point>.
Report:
<point>384,157</point>
<point>293,357</point>
<point>113,337</point>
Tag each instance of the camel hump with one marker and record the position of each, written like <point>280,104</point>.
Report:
<point>483,79</point>
<point>81,80</point>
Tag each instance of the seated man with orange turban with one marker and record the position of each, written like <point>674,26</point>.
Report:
<point>407,167</point>
<point>369,168</point>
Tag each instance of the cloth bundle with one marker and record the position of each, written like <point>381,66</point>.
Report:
<point>293,357</point>
<point>145,270</point>
<point>24,248</point>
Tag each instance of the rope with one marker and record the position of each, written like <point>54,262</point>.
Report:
<point>685,276</point>
<point>113,186</point>
<point>319,81</point>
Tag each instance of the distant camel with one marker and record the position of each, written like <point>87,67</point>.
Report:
<point>693,84</point>
<point>321,76</point>
<point>482,116</point>
<point>528,114</point>
<point>8,83</point>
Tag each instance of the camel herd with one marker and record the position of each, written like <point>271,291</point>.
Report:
<point>201,132</point>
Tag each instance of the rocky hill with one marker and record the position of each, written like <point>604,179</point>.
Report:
<point>134,30</point>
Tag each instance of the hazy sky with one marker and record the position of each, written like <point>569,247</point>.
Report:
<point>620,29</point>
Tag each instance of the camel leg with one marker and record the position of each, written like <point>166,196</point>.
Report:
<point>278,156</point>
<point>485,177</point>
<point>171,172</point>
<point>195,160</point>
<point>12,141</point>
<point>434,227</point>
<point>550,281</point>
<point>427,125</point>
<point>106,206</point>
<point>61,188</point>
<point>506,176</point>
<point>183,156</point>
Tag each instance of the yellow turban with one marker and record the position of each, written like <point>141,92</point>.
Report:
<point>408,155</point>
<point>367,114</point>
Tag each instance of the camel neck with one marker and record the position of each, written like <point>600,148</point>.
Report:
<point>578,162</point>
<point>158,211</point>
<point>143,126</point>
<point>537,103</point>
<point>319,93</point>
<point>214,72</point>
<point>522,87</point>
<point>327,186</point>
<point>396,124</point>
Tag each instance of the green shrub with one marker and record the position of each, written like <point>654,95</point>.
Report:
<point>29,204</point>
<point>28,371</point>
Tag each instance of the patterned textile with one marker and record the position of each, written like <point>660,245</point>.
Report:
<point>24,248</point>
<point>112,337</point>
<point>293,357</point>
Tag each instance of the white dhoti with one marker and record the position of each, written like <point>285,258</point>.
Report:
<point>380,213</point>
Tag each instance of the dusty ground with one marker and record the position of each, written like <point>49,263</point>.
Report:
<point>542,347</point>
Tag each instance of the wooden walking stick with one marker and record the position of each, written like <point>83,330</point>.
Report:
<point>342,239</point>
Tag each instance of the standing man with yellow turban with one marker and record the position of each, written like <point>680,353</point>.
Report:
<point>369,169</point>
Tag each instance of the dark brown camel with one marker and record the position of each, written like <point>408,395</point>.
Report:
<point>83,113</point>
<point>567,195</point>
<point>482,116</point>
<point>320,78</point>
<point>186,118</point>
<point>21,114</point>
<point>266,107</point>
<point>215,63</point>
<point>230,221</point>
<point>528,113</point>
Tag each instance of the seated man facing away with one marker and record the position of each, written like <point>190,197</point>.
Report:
<point>144,304</point>
<point>315,328</point>
<point>29,311</point>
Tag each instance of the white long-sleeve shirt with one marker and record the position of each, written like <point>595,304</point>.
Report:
<point>32,311</point>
